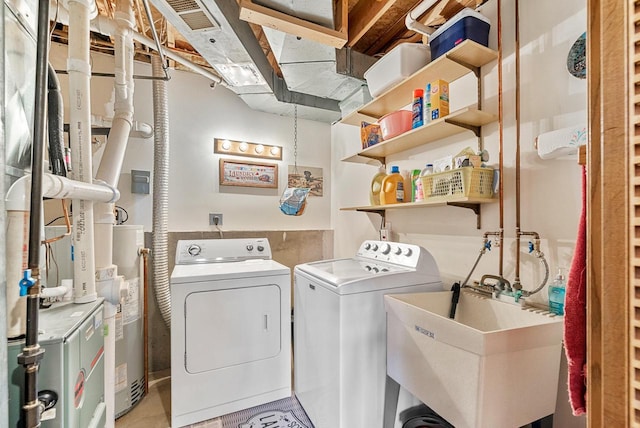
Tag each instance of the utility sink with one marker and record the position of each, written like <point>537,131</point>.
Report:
<point>495,365</point>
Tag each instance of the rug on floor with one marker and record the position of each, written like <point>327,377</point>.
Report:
<point>285,413</point>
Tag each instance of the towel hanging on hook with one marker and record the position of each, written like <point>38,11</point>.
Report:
<point>294,199</point>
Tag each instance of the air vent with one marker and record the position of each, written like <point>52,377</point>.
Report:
<point>197,20</point>
<point>183,5</point>
<point>137,391</point>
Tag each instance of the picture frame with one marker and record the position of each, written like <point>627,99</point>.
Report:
<point>248,174</point>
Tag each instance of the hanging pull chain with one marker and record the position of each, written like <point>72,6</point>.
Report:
<point>295,139</point>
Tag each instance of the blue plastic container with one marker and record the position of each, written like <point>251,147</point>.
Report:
<point>467,24</point>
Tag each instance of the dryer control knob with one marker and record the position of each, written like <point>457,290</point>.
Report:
<point>260,248</point>
<point>408,252</point>
<point>386,248</point>
<point>367,267</point>
<point>398,251</point>
<point>249,247</point>
<point>367,246</point>
<point>376,270</point>
<point>375,247</point>
<point>194,250</point>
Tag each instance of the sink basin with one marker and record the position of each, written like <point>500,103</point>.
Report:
<point>495,365</point>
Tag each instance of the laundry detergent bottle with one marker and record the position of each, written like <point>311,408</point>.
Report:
<point>376,186</point>
<point>392,191</point>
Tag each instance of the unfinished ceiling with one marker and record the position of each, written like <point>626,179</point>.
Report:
<point>309,53</point>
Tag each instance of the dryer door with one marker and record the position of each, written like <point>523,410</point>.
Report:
<point>229,327</point>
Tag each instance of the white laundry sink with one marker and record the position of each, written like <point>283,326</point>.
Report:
<point>495,365</point>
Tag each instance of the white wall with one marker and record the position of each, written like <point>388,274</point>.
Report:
<point>199,114</point>
<point>550,189</point>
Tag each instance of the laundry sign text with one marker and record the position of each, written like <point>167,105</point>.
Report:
<point>274,419</point>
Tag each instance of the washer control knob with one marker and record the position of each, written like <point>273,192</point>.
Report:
<point>367,267</point>
<point>386,248</point>
<point>376,270</point>
<point>194,250</point>
<point>408,252</point>
<point>384,270</point>
<point>260,248</point>
<point>367,246</point>
<point>249,247</point>
<point>375,247</point>
<point>397,251</point>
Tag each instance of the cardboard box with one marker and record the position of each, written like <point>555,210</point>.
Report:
<point>437,100</point>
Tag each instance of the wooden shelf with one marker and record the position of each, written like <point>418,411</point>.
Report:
<point>468,56</point>
<point>455,123</point>
<point>421,204</point>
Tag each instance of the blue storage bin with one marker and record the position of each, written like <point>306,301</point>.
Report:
<point>467,24</point>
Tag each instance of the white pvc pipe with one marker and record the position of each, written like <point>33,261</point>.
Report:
<point>49,292</point>
<point>57,187</point>
<point>411,21</point>
<point>138,129</point>
<point>80,140</point>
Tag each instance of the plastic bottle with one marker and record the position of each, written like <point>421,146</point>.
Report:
<point>427,104</point>
<point>422,192</point>
<point>417,119</point>
<point>392,191</point>
<point>415,182</point>
<point>376,186</point>
<point>556,294</point>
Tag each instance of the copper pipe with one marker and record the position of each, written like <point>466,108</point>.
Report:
<point>517,54</point>
<point>501,138</point>
<point>145,320</point>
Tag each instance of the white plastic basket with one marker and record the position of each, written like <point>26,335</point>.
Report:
<point>469,182</point>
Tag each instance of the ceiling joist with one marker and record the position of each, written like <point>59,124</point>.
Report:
<point>260,15</point>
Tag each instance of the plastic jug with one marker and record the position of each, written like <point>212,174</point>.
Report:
<point>392,191</point>
<point>376,186</point>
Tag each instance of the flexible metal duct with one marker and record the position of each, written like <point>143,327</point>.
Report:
<point>161,192</point>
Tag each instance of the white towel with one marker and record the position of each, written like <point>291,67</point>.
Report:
<point>561,142</point>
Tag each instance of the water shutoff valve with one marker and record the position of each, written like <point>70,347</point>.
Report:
<point>26,282</point>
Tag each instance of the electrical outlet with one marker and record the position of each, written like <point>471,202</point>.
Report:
<point>385,232</point>
<point>215,219</point>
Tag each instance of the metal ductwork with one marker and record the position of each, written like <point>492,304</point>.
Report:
<point>309,80</point>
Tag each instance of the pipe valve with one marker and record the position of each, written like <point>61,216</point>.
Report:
<point>26,282</point>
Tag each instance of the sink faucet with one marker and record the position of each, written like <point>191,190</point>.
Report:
<point>501,284</point>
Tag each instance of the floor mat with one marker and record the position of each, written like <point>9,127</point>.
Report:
<point>285,413</point>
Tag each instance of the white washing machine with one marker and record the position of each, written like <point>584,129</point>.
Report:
<point>340,329</point>
<point>230,328</point>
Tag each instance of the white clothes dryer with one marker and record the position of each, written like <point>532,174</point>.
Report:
<point>340,329</point>
<point>230,328</point>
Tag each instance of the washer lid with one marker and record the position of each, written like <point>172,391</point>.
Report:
<point>218,271</point>
<point>342,271</point>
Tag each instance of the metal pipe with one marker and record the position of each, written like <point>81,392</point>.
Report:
<point>147,9</point>
<point>145,314</point>
<point>135,76</point>
<point>501,138</point>
<point>516,281</point>
<point>32,353</point>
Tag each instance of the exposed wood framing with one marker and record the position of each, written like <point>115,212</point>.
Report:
<point>364,16</point>
<point>608,258</point>
<point>267,17</point>
<point>341,16</point>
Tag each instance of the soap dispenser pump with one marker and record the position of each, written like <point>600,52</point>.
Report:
<point>556,293</point>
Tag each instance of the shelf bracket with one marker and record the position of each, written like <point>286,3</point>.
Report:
<point>473,207</point>
<point>381,213</point>
<point>476,70</point>
<point>382,160</point>
<point>475,129</point>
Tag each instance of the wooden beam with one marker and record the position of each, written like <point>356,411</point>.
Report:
<point>364,16</point>
<point>267,17</point>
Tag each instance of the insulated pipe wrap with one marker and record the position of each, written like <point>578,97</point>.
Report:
<point>161,192</point>
<point>56,120</point>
